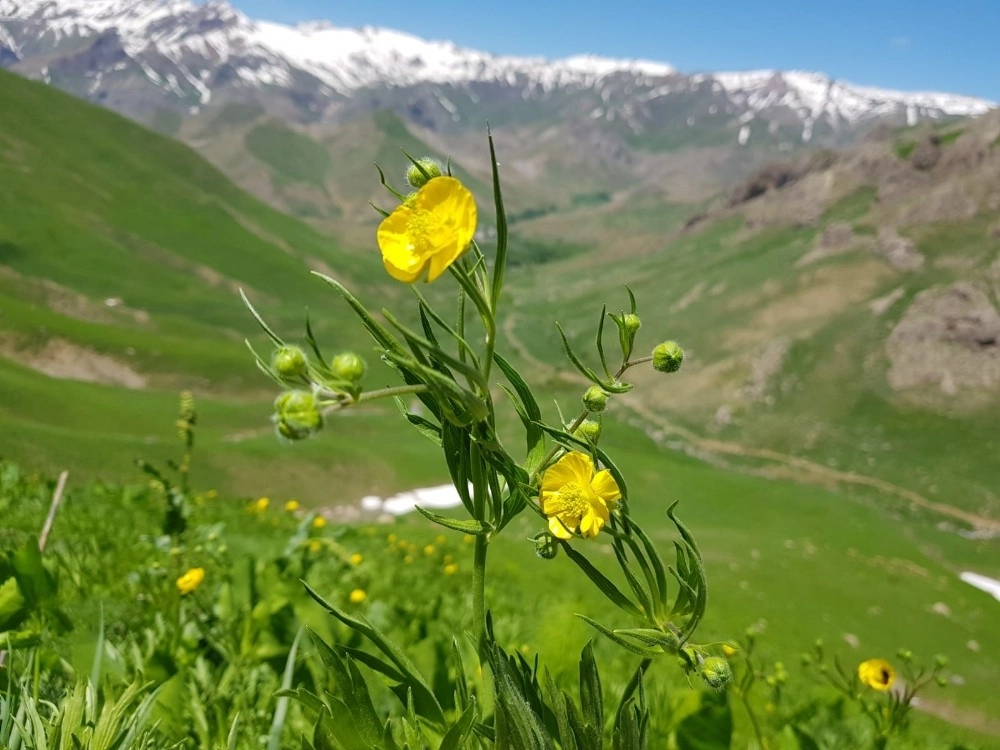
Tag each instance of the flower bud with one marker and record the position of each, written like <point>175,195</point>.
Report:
<point>289,362</point>
<point>631,323</point>
<point>667,357</point>
<point>716,672</point>
<point>940,661</point>
<point>416,175</point>
<point>546,546</point>
<point>595,399</point>
<point>589,430</point>
<point>297,415</point>
<point>904,655</point>
<point>348,366</point>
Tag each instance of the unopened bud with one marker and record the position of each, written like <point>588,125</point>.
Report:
<point>631,323</point>
<point>941,661</point>
<point>595,398</point>
<point>716,672</point>
<point>667,357</point>
<point>546,546</point>
<point>348,366</point>
<point>297,415</point>
<point>905,655</point>
<point>589,430</point>
<point>289,362</point>
<point>418,176</point>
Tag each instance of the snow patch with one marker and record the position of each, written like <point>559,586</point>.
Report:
<point>983,583</point>
<point>438,498</point>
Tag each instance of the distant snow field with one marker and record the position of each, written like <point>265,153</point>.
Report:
<point>983,583</point>
<point>444,496</point>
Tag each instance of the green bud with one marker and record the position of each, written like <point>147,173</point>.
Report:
<point>716,672</point>
<point>667,357</point>
<point>904,655</point>
<point>348,366</point>
<point>416,177</point>
<point>595,398</point>
<point>289,362</point>
<point>546,546</point>
<point>941,661</point>
<point>941,681</point>
<point>297,415</point>
<point>631,323</point>
<point>589,430</point>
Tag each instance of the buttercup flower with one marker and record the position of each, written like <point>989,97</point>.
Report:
<point>877,674</point>
<point>357,596</point>
<point>450,569</point>
<point>292,505</point>
<point>575,499</point>
<point>260,505</point>
<point>356,558</point>
<point>190,580</point>
<point>429,232</point>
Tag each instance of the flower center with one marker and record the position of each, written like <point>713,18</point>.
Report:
<point>419,228</point>
<point>573,500</point>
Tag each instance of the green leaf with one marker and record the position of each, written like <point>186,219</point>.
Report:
<point>805,740</point>
<point>466,526</point>
<point>606,586</point>
<point>423,695</point>
<point>424,426</point>
<point>13,607</point>
<point>616,636</point>
<point>591,697</point>
<point>708,728</point>
<point>600,342</point>
<point>530,413</point>
<point>376,329</point>
<point>454,738</point>
<point>608,385</point>
<point>387,186</point>
<point>500,262</point>
<point>260,321</point>
<point>281,707</point>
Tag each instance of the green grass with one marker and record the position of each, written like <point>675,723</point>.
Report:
<point>292,156</point>
<point>852,207</point>
<point>903,149</point>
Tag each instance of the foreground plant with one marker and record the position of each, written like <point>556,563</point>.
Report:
<point>563,475</point>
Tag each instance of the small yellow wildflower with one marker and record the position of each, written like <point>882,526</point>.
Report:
<point>319,522</point>
<point>211,494</point>
<point>292,505</point>
<point>469,539</point>
<point>439,540</point>
<point>260,505</point>
<point>356,558</point>
<point>575,498</point>
<point>358,596</point>
<point>729,650</point>
<point>429,550</point>
<point>391,538</point>
<point>877,674</point>
<point>429,232</point>
<point>315,546</point>
<point>190,580</point>
<point>450,569</point>
<point>408,559</point>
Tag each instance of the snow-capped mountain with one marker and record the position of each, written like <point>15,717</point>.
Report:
<point>139,56</point>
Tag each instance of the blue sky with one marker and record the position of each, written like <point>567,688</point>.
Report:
<point>906,44</point>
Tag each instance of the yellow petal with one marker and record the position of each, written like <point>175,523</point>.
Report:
<point>573,467</point>
<point>558,528</point>
<point>606,488</point>
<point>398,256</point>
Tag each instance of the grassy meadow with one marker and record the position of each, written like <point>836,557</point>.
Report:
<point>111,305</point>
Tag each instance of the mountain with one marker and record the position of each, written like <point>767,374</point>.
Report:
<point>131,52</point>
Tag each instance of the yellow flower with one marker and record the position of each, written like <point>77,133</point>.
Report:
<point>356,558</point>
<point>429,550</point>
<point>729,649</point>
<point>408,559</point>
<point>575,499</point>
<point>439,540</point>
<point>391,538</point>
<point>292,505</point>
<point>190,580</point>
<point>319,522</point>
<point>212,494</point>
<point>260,505</point>
<point>450,569</point>
<point>428,232</point>
<point>315,546</point>
<point>877,674</point>
<point>358,596</point>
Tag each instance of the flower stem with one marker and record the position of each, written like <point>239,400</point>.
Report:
<point>479,592</point>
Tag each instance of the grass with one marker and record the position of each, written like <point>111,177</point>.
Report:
<point>292,156</point>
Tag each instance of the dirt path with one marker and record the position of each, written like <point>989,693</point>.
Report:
<point>792,467</point>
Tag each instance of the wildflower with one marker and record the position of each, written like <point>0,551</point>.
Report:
<point>716,672</point>
<point>440,540</point>
<point>357,596</point>
<point>319,522</point>
<point>729,650</point>
<point>877,674</point>
<point>429,550</point>
<point>297,415</point>
<point>391,538</point>
<point>190,580</point>
<point>260,505</point>
<point>428,233</point>
<point>212,494</point>
<point>575,498</point>
<point>450,569</point>
<point>292,505</point>
<point>595,398</point>
<point>315,546</point>
<point>408,559</point>
<point>356,558</point>
<point>469,539</point>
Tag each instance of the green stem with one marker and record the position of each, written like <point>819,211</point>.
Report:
<point>399,390</point>
<point>479,592</point>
